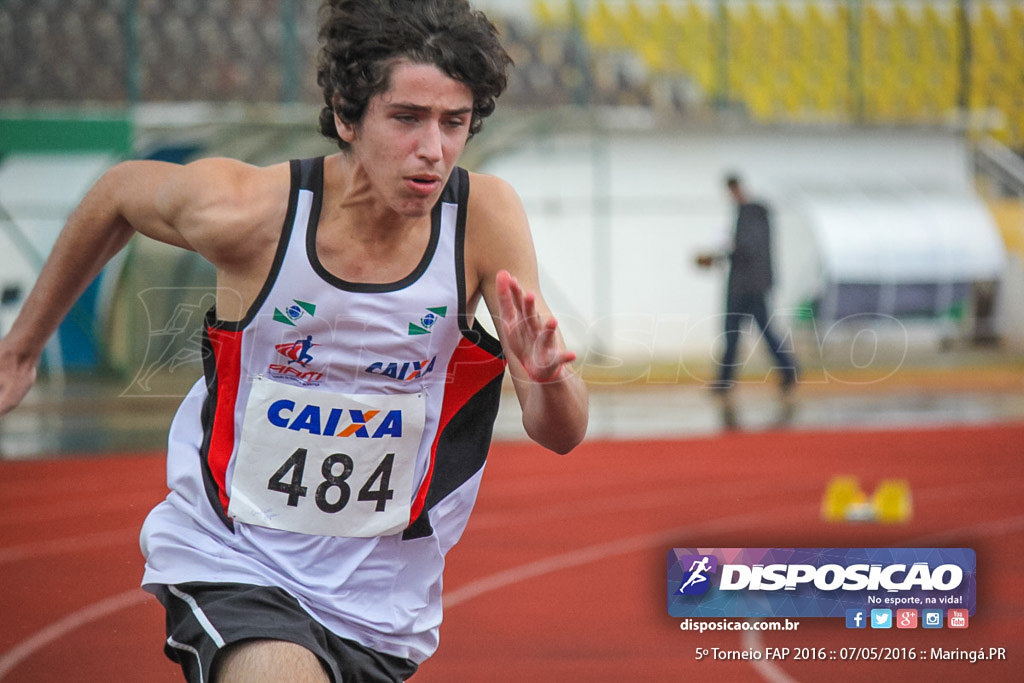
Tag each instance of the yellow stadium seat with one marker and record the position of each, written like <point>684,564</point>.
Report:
<point>546,15</point>
<point>791,60</point>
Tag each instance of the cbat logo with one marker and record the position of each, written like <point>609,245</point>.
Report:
<point>406,371</point>
<point>428,321</point>
<point>299,358</point>
<point>335,421</point>
<point>696,580</point>
<point>297,351</point>
<point>307,377</point>
<point>292,314</point>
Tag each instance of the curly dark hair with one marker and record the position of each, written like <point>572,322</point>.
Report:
<point>360,40</point>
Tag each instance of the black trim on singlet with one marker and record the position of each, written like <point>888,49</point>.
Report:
<point>474,333</point>
<point>373,287</point>
<point>300,180</point>
<point>461,452</point>
<point>303,175</point>
<point>462,198</point>
<point>207,415</point>
<point>310,174</point>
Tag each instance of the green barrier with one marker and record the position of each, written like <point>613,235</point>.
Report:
<point>50,133</point>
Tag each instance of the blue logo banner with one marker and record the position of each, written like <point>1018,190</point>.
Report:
<point>818,582</point>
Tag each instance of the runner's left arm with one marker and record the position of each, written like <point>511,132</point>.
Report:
<point>552,395</point>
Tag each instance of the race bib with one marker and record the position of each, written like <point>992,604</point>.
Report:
<point>326,464</point>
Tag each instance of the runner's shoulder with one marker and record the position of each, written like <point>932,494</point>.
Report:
<point>226,192</point>
<point>220,179</point>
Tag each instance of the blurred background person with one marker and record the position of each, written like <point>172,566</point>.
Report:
<point>748,288</point>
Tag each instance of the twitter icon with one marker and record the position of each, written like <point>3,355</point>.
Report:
<point>881,618</point>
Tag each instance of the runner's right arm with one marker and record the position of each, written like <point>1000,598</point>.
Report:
<point>179,205</point>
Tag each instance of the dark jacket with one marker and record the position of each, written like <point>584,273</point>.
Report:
<point>750,270</point>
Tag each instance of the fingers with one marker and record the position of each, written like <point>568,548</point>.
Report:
<point>521,305</point>
<point>517,309</point>
<point>529,302</point>
<point>509,289</point>
<point>508,286</point>
<point>509,293</point>
<point>530,336</point>
<point>547,354</point>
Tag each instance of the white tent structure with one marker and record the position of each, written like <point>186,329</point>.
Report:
<point>908,254</point>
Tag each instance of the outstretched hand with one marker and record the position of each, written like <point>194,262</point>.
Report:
<point>529,336</point>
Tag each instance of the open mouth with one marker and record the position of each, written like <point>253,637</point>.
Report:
<point>423,184</point>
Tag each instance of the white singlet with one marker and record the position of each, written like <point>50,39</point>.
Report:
<point>335,445</point>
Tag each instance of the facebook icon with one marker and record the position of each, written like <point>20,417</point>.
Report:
<point>856,618</point>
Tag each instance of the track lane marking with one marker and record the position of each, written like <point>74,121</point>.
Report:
<point>75,620</point>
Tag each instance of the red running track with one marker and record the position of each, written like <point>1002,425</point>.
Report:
<point>560,575</point>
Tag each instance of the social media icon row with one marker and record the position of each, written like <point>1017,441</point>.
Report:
<point>905,618</point>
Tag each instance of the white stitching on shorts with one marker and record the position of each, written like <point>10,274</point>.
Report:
<point>204,621</point>
<point>188,648</point>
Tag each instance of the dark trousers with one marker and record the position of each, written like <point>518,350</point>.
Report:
<point>740,309</point>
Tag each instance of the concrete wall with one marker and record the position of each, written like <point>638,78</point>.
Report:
<point>618,215</point>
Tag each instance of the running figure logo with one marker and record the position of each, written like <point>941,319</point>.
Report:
<point>298,351</point>
<point>696,581</point>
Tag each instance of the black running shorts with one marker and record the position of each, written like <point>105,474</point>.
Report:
<point>202,618</point>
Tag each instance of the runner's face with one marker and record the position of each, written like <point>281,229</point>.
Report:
<point>412,135</point>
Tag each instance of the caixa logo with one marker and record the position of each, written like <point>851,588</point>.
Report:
<point>314,419</point>
<point>696,580</point>
<point>403,371</point>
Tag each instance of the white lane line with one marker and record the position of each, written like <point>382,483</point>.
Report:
<point>58,629</point>
<point>996,527</point>
<point>601,551</point>
<point>769,671</point>
<point>574,558</point>
<point>62,546</point>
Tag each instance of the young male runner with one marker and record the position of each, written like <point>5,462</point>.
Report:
<point>312,505</point>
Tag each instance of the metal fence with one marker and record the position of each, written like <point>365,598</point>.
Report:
<point>130,51</point>
<point>932,62</point>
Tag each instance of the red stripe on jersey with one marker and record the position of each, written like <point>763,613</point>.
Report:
<point>227,351</point>
<point>470,370</point>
